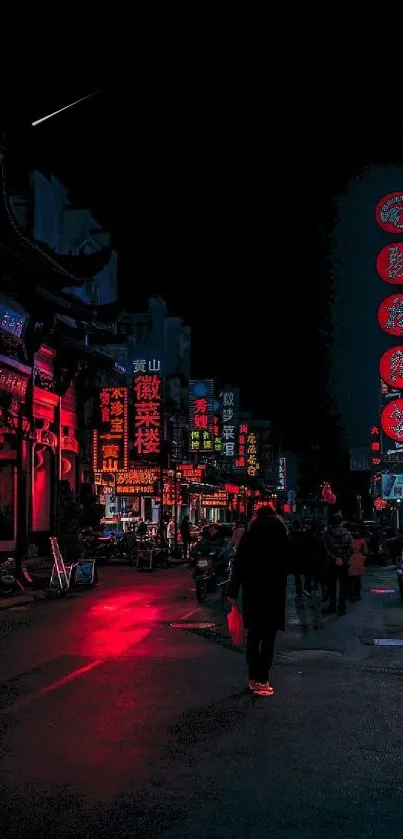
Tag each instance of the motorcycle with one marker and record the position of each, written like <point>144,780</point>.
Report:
<point>9,584</point>
<point>212,567</point>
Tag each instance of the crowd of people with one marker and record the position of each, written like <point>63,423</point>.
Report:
<point>327,563</point>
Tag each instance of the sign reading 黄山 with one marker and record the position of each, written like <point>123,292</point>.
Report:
<point>111,439</point>
<point>144,365</point>
<point>148,414</point>
<point>201,415</point>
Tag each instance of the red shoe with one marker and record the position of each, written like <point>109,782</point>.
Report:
<point>263,689</point>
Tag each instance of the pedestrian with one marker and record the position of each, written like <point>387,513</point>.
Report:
<point>141,529</point>
<point>260,569</point>
<point>186,535</point>
<point>171,534</point>
<point>339,547</point>
<point>357,565</point>
<point>238,532</point>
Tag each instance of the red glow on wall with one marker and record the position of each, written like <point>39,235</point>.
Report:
<point>390,315</point>
<point>389,212</point>
<point>389,263</point>
<point>392,420</point>
<point>391,367</point>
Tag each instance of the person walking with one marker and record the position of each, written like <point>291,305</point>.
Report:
<point>186,535</point>
<point>339,547</point>
<point>357,565</point>
<point>260,569</point>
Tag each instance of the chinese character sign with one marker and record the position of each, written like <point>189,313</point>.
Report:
<point>201,415</point>
<point>282,475</point>
<point>392,420</point>
<point>252,455</point>
<point>229,429</point>
<point>111,441</point>
<point>243,432</point>
<point>147,389</point>
<point>389,212</point>
<point>137,482</point>
<point>389,263</point>
<point>217,435</point>
<point>390,315</point>
<point>391,367</point>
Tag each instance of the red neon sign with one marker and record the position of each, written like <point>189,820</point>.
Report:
<point>148,414</point>
<point>389,263</point>
<point>111,440</point>
<point>391,367</point>
<point>243,431</point>
<point>392,420</point>
<point>390,315</point>
<point>389,212</point>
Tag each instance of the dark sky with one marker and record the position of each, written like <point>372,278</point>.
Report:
<point>217,188</point>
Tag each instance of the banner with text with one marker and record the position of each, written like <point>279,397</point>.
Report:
<point>201,415</point>
<point>111,439</point>
<point>148,414</point>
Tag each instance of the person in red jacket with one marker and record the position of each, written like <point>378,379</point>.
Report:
<point>356,565</point>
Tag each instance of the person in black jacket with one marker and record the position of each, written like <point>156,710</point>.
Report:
<point>260,568</point>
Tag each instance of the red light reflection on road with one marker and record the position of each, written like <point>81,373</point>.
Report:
<point>115,624</point>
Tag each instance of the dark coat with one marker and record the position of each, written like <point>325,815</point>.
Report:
<point>261,567</point>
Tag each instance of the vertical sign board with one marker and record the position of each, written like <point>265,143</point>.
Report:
<point>243,432</point>
<point>201,416</point>
<point>230,403</point>
<point>281,485</point>
<point>110,450</point>
<point>252,454</point>
<point>148,414</point>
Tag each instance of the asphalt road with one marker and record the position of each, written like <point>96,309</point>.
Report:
<point>115,724</point>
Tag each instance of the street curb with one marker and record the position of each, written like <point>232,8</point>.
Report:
<point>22,600</point>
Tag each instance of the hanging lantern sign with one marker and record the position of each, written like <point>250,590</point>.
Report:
<point>327,493</point>
<point>389,263</point>
<point>392,420</point>
<point>389,212</point>
<point>390,315</point>
<point>391,367</point>
<point>380,504</point>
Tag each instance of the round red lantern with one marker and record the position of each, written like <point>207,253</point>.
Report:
<point>390,314</point>
<point>391,367</point>
<point>389,212</point>
<point>380,504</point>
<point>389,263</point>
<point>327,493</point>
<point>392,420</point>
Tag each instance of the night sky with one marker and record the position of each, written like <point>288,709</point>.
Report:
<point>219,189</point>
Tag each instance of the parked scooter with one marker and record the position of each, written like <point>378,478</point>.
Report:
<point>212,567</point>
<point>9,585</point>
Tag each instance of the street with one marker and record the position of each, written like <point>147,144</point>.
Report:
<point>114,723</point>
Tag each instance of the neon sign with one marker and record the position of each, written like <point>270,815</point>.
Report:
<point>111,440</point>
<point>392,420</point>
<point>242,436</point>
<point>148,414</point>
<point>390,315</point>
<point>190,472</point>
<point>252,463</point>
<point>217,436</point>
<point>389,263</point>
<point>389,212</point>
<point>136,482</point>
<point>12,383</point>
<point>201,415</point>
<point>391,367</point>
<point>216,499</point>
<point>12,322</point>
<point>229,423</point>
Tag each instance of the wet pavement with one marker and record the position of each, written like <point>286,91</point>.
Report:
<point>113,722</point>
